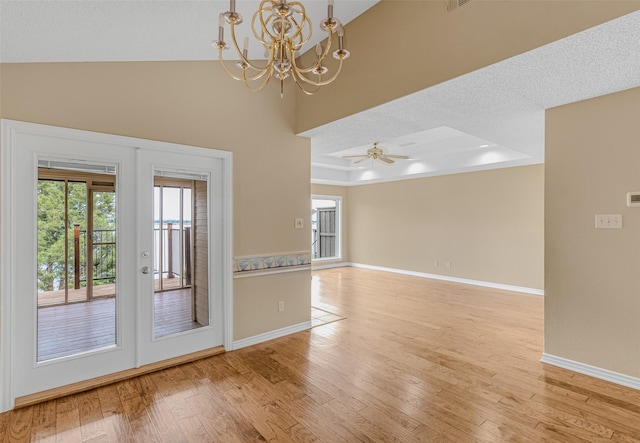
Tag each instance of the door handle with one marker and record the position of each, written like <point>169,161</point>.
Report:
<point>145,269</point>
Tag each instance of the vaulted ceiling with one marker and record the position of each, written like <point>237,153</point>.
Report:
<point>493,117</point>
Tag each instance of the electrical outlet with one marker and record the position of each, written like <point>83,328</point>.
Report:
<point>448,264</point>
<point>435,263</point>
<point>281,306</point>
<point>609,221</point>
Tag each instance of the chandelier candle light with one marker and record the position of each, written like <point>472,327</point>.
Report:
<point>282,27</point>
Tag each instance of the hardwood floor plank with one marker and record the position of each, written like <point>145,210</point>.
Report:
<point>413,360</point>
<point>44,422</point>
<point>142,426</point>
<point>221,376</point>
<point>219,419</point>
<point>158,410</point>
<point>91,420</point>
<point>300,434</point>
<point>67,420</point>
<point>263,423</point>
<point>335,386</point>
<point>116,425</point>
<point>193,428</point>
<point>19,429</point>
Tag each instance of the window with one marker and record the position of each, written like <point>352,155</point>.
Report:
<point>325,227</point>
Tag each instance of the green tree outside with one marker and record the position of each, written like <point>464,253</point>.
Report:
<point>51,231</point>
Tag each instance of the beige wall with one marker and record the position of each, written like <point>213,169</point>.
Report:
<point>338,191</point>
<point>488,225</point>
<point>400,47</point>
<point>293,288</point>
<point>592,290</point>
<point>191,103</point>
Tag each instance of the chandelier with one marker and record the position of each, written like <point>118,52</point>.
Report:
<point>282,27</point>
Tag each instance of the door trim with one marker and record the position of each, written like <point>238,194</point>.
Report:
<point>8,131</point>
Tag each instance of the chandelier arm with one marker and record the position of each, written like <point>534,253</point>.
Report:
<point>245,82</point>
<point>299,75</point>
<point>263,24</point>
<point>261,69</point>
<point>260,74</point>
<point>300,28</point>
<point>224,66</point>
<point>325,53</point>
<point>299,8</point>
<point>305,91</point>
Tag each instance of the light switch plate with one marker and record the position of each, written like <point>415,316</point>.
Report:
<point>299,223</point>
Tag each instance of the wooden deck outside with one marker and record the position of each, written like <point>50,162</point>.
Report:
<point>99,291</point>
<point>80,327</point>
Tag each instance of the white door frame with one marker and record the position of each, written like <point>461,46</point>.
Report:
<point>9,130</point>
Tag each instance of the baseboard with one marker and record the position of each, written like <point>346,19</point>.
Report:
<point>593,371</point>
<point>250,341</point>
<point>466,281</point>
<point>336,264</point>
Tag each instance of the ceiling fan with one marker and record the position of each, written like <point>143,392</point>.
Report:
<point>376,153</point>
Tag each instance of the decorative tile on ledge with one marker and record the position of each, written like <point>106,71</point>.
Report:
<point>271,261</point>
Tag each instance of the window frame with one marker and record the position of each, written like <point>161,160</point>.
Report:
<point>338,201</point>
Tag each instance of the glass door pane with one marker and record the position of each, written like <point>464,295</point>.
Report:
<point>74,267</point>
<point>181,296</point>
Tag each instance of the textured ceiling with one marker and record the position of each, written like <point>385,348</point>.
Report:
<point>497,112</point>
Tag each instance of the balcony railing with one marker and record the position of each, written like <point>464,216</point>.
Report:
<point>104,255</point>
<point>176,255</point>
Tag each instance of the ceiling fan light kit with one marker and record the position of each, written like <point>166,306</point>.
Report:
<point>283,28</point>
<point>376,153</point>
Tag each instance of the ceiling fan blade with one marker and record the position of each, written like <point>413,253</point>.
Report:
<point>385,159</point>
<point>361,160</point>
<point>400,157</point>
<point>355,156</point>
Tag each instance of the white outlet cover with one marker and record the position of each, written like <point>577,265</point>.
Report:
<point>608,221</point>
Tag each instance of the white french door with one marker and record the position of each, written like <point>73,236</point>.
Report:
<point>134,311</point>
<point>206,329</point>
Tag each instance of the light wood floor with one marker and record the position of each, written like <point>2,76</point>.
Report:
<point>413,360</point>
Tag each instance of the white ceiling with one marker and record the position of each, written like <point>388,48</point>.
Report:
<point>133,30</point>
<point>444,129</point>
